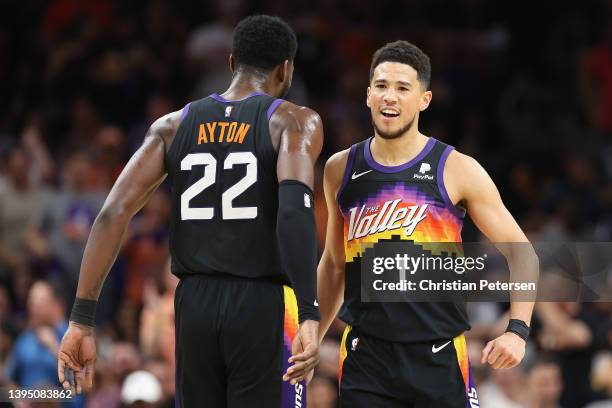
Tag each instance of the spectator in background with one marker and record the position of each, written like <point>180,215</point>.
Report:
<point>42,164</point>
<point>20,204</point>
<point>147,250</point>
<point>323,389</point>
<point>322,393</point>
<point>209,46</point>
<point>575,332</point>
<point>110,155</point>
<point>504,389</point>
<point>157,320</point>
<point>124,359</point>
<point>329,358</point>
<point>141,389</point>
<point>165,375</point>
<point>33,361</point>
<point>84,122</point>
<point>544,384</point>
<point>146,255</point>
<point>157,106</point>
<point>601,378</point>
<point>60,232</point>
<point>112,368</point>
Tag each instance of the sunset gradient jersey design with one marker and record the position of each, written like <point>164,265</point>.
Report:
<point>440,225</point>
<point>291,325</point>
<point>464,365</point>
<point>343,353</point>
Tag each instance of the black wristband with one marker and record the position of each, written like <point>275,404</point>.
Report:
<point>84,312</point>
<point>519,328</point>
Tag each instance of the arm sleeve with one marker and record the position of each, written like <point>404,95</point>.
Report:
<point>297,243</point>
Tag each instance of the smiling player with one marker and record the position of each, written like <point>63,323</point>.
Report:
<point>403,185</point>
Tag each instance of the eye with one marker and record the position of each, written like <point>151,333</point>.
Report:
<point>403,89</point>
<point>381,86</point>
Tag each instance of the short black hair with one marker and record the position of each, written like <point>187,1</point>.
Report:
<point>263,42</point>
<point>404,53</point>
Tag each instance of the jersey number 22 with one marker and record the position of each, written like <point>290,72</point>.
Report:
<point>229,212</point>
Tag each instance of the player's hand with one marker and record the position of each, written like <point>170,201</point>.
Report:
<point>305,353</point>
<point>77,352</point>
<point>506,351</point>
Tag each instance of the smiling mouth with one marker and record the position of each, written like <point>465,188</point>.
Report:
<point>389,114</point>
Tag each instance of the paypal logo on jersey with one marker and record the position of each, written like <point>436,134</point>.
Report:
<point>425,167</point>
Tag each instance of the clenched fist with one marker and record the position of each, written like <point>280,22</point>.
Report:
<point>506,351</point>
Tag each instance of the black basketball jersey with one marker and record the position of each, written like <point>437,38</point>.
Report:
<point>222,166</point>
<point>406,203</point>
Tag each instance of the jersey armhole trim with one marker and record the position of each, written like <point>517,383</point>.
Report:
<point>167,148</point>
<point>347,170</point>
<point>273,107</point>
<point>184,112</point>
<point>440,180</point>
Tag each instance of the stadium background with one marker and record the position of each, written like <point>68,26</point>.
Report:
<point>524,87</point>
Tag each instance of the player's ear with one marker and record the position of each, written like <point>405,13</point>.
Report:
<point>232,63</point>
<point>283,71</point>
<point>425,100</point>
<point>368,97</point>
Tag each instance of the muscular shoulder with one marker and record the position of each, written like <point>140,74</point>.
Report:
<point>290,115</point>
<point>458,161</point>
<point>335,167</point>
<point>296,128</point>
<point>165,127</point>
<point>463,175</point>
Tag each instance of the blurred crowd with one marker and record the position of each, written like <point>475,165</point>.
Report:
<point>528,94</point>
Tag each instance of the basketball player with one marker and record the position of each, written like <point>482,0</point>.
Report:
<point>241,231</point>
<point>407,354</point>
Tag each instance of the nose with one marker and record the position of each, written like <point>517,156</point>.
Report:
<point>390,96</point>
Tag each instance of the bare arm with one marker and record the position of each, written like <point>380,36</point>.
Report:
<point>330,273</point>
<point>474,187</point>
<point>140,177</point>
<point>468,182</point>
<point>299,135</point>
<point>138,180</point>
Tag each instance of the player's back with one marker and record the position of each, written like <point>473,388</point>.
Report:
<point>222,166</point>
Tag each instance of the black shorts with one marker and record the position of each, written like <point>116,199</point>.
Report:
<point>233,339</point>
<point>378,373</point>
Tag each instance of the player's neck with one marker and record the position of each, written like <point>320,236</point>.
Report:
<point>244,85</point>
<point>395,152</point>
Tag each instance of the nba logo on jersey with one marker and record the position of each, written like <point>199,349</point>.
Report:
<point>306,200</point>
<point>228,111</point>
<point>354,344</point>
